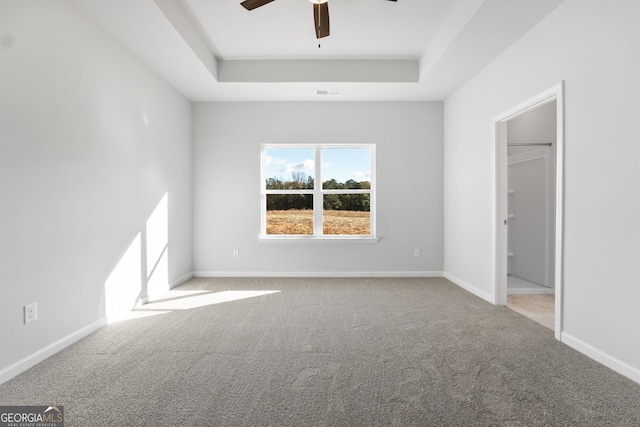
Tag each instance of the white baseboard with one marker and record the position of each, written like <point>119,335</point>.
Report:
<point>601,357</point>
<point>317,274</point>
<point>467,287</point>
<point>33,359</point>
<point>531,291</point>
<point>146,298</point>
<point>180,281</point>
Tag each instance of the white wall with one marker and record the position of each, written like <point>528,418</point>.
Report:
<point>227,139</point>
<point>90,142</point>
<point>593,46</point>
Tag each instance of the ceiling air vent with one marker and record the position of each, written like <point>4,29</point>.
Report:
<point>328,92</point>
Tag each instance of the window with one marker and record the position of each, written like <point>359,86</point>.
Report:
<point>318,191</point>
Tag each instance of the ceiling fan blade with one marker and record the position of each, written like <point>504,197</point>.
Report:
<point>253,4</point>
<point>321,19</point>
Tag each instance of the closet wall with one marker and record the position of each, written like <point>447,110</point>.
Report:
<point>531,197</point>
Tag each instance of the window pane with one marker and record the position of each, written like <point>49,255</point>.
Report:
<point>289,214</point>
<point>346,168</point>
<point>289,168</point>
<point>346,214</point>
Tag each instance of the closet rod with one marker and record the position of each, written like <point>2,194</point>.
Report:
<point>515,144</point>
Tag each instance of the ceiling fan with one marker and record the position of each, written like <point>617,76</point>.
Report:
<point>320,13</point>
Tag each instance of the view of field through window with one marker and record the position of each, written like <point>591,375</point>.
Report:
<point>344,195</point>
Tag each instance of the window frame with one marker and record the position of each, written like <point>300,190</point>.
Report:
<point>318,196</point>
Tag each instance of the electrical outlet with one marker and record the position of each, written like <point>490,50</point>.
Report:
<point>30,313</point>
<point>416,253</point>
<point>236,254</point>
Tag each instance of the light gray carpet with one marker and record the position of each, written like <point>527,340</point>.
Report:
<point>327,352</point>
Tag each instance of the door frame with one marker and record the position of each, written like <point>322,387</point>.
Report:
<point>555,93</point>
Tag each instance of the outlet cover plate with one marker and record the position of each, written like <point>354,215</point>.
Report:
<point>30,313</point>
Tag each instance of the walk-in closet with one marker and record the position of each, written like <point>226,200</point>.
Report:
<point>531,169</point>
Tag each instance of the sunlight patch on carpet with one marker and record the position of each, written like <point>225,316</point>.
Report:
<point>202,300</point>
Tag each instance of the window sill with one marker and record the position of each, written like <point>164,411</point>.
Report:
<point>316,239</point>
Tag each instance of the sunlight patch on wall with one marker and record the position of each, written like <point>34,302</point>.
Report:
<point>122,287</point>
<point>157,241</point>
<point>158,281</point>
<point>143,270</point>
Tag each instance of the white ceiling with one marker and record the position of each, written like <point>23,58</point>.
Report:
<point>378,50</point>
<point>283,29</point>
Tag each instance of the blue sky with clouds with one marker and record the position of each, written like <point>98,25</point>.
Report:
<point>340,164</point>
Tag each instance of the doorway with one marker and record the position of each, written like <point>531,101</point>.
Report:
<point>529,149</point>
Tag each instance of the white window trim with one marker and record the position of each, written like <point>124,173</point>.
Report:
<point>318,192</point>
